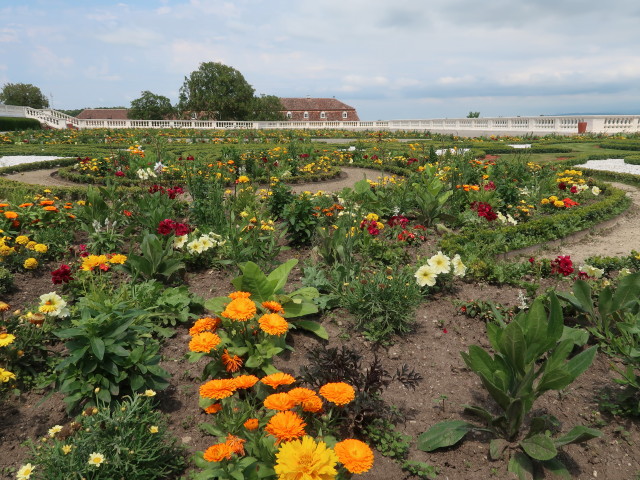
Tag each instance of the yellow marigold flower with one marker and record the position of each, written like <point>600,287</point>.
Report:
<point>553,198</point>
<point>204,342</point>
<point>276,379</point>
<point>31,245</point>
<point>339,393</point>
<point>6,375</point>
<point>6,250</point>
<point>279,401</point>
<point>305,459</point>
<point>22,240</point>
<point>245,381</point>
<point>356,456</point>
<point>118,259</point>
<point>41,248</point>
<point>240,309</point>
<point>558,203</point>
<point>218,452</point>
<point>6,339</point>
<point>204,324</point>
<point>243,179</point>
<point>251,424</point>
<point>30,263</point>
<point>272,306</point>
<point>273,324</point>
<point>372,216</point>
<point>218,388</point>
<point>286,426</point>
<point>544,201</point>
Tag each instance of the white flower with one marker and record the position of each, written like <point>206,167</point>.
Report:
<point>178,242</point>
<point>55,429</point>
<point>595,190</point>
<point>440,263</point>
<point>96,459</point>
<point>25,472</point>
<point>53,304</point>
<point>206,243</point>
<point>459,268</point>
<point>592,271</point>
<point>502,218</point>
<point>195,246</point>
<point>426,275</point>
<point>511,220</point>
<point>158,167</point>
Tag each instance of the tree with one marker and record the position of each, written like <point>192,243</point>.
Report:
<point>150,107</point>
<point>216,91</point>
<point>24,95</point>
<point>266,107</point>
<point>473,115</point>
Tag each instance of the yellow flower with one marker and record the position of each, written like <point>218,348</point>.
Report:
<point>153,429</point>
<point>96,459</point>
<point>55,429</point>
<point>22,239</point>
<point>30,263</point>
<point>149,393</point>
<point>66,449</point>
<point>6,339</point>
<point>41,248</point>
<point>306,459</point>
<point>544,201</point>
<point>558,203</point>
<point>25,472</point>
<point>118,258</point>
<point>6,375</point>
<point>31,245</point>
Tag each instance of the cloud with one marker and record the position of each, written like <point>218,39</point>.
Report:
<point>8,35</point>
<point>46,60</point>
<point>142,38</point>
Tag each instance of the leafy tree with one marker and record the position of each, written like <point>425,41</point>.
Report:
<point>24,95</point>
<point>150,107</point>
<point>217,91</point>
<point>473,115</point>
<point>266,107</point>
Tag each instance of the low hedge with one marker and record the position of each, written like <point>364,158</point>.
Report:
<point>12,124</point>
<point>620,146</point>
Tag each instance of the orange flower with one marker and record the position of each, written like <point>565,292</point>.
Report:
<point>44,203</point>
<point>232,363</point>
<point>10,215</point>
<point>218,452</point>
<point>51,209</point>
<point>24,205</point>
<point>286,426</point>
<point>218,388</point>
<point>251,424</point>
<point>245,381</point>
<point>213,408</point>
<point>356,456</point>
<point>273,307</point>
<point>204,342</point>
<point>273,324</point>
<point>279,401</point>
<point>235,295</point>
<point>236,444</point>
<point>276,379</point>
<point>300,394</point>
<point>204,324</point>
<point>240,309</point>
<point>127,213</point>
<point>313,404</point>
<point>339,393</point>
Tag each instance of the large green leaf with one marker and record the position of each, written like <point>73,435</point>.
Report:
<point>557,468</point>
<point>280,274</point>
<point>444,434</point>
<point>253,280</point>
<point>497,446</point>
<point>578,364</point>
<point>539,446</point>
<point>582,292</point>
<point>216,304</point>
<point>313,327</point>
<point>97,347</point>
<point>521,465</point>
<point>513,346</point>
<point>628,291</point>
<point>577,434</point>
<point>555,326</point>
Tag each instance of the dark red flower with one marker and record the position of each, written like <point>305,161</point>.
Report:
<point>61,275</point>
<point>574,189</point>
<point>181,229</point>
<point>166,226</point>
<point>562,265</point>
<point>119,173</point>
<point>490,186</point>
<point>562,186</point>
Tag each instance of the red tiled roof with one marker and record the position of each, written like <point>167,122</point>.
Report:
<point>318,104</point>
<point>103,114</point>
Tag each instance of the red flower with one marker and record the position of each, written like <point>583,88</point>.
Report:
<point>562,265</point>
<point>490,186</point>
<point>398,220</point>
<point>119,173</point>
<point>61,275</point>
<point>181,229</point>
<point>562,186</point>
<point>568,203</point>
<point>574,189</point>
<point>166,226</point>
<point>127,213</point>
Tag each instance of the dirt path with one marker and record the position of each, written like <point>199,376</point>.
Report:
<point>612,238</point>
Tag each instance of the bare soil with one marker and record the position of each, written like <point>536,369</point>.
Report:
<point>441,332</point>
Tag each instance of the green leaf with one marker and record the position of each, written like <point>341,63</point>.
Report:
<point>479,412</point>
<point>539,446</point>
<point>254,281</point>
<point>556,467</point>
<point>217,304</point>
<point>280,275</point>
<point>497,446</point>
<point>578,364</point>
<point>577,434</point>
<point>69,333</point>
<point>444,434</point>
<point>582,292</point>
<point>513,346</point>
<point>556,322</point>
<point>97,347</point>
<point>521,465</point>
<point>313,327</point>
<point>578,336</point>
<point>627,291</point>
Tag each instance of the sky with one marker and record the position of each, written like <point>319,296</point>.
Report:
<point>389,59</point>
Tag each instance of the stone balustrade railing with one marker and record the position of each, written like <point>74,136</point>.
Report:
<point>542,125</point>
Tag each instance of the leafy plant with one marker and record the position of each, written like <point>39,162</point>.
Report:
<point>530,359</point>
<point>301,220</point>
<point>157,261</point>
<point>387,440</point>
<point>430,197</point>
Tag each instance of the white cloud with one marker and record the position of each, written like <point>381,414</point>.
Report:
<point>8,35</point>
<point>46,60</point>
<point>138,37</point>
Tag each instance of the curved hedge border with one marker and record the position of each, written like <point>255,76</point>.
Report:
<point>10,124</point>
<point>620,146</point>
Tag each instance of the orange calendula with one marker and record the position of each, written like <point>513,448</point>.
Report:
<point>204,342</point>
<point>232,363</point>
<point>218,452</point>
<point>339,393</point>
<point>276,379</point>
<point>286,426</point>
<point>279,401</point>
<point>205,324</point>
<point>356,456</point>
<point>245,381</point>
<point>235,295</point>
<point>213,408</point>
<point>251,424</point>
<point>218,388</point>
<point>273,324</point>
<point>273,307</point>
<point>240,309</point>
<point>313,404</point>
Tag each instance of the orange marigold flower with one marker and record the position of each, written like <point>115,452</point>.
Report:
<point>236,444</point>
<point>218,388</point>
<point>286,426</point>
<point>356,456</point>
<point>2,205</point>
<point>301,394</point>
<point>273,307</point>
<point>204,342</point>
<point>218,452</point>
<point>45,203</point>
<point>51,209</point>
<point>313,404</point>
<point>251,424</point>
<point>10,215</point>
<point>24,205</point>
<point>279,401</point>
<point>235,295</point>
<point>232,363</point>
<point>240,309</point>
<point>213,408</point>
<point>245,381</point>
<point>339,393</point>
<point>205,324</point>
<point>276,379</point>
<point>273,324</point>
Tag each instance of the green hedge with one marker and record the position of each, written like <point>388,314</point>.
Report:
<point>621,146</point>
<point>12,124</point>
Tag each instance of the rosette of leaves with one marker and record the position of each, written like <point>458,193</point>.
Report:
<point>531,358</point>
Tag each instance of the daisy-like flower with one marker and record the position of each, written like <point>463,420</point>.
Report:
<point>240,309</point>
<point>204,342</point>
<point>96,459</point>
<point>301,394</point>
<point>232,363</point>
<point>25,471</point>
<point>6,339</point>
<point>286,426</point>
<point>356,456</point>
<point>205,324</point>
<point>206,243</point>
<point>595,190</point>
<point>153,429</point>
<point>53,304</point>
<point>306,459</point>
<point>251,424</point>
<point>218,388</point>
<point>273,324</point>
<point>218,452</point>
<point>55,429</point>
<point>440,263</point>
<point>6,375</point>
<point>276,379</point>
<point>245,381</point>
<point>213,408</point>
<point>149,393</point>
<point>66,449</point>
<point>273,307</point>
<point>426,275</point>
<point>279,401</point>
<point>236,444</point>
<point>339,393</point>
<point>459,268</point>
<point>312,404</point>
